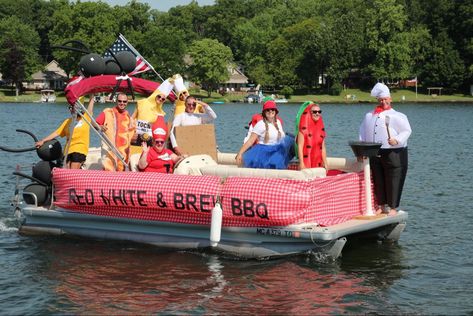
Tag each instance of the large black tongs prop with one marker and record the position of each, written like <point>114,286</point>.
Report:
<point>50,150</point>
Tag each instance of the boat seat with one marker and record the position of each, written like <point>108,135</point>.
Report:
<point>134,158</point>
<point>334,163</point>
<point>226,158</point>
<point>192,165</point>
<point>233,171</point>
<point>93,160</point>
<point>344,164</point>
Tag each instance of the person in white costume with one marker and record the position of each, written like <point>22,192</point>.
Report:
<point>392,129</point>
<point>189,117</point>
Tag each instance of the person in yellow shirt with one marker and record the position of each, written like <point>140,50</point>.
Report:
<point>79,142</point>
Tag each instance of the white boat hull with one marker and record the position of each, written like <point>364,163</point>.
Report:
<point>242,242</point>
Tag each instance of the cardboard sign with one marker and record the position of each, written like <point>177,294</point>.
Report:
<point>197,140</point>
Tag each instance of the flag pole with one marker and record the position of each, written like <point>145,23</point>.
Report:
<point>144,60</point>
<point>138,54</point>
<point>416,88</point>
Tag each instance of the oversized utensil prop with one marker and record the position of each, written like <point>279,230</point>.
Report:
<point>387,119</point>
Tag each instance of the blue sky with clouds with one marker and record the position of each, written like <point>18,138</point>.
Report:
<point>161,5</point>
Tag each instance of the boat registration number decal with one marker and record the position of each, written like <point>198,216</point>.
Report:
<point>277,232</point>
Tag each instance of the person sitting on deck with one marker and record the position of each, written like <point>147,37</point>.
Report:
<point>158,158</point>
<point>268,146</point>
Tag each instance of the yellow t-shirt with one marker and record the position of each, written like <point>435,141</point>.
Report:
<point>80,135</point>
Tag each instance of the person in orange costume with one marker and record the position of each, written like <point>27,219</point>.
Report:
<point>118,126</point>
<point>311,138</point>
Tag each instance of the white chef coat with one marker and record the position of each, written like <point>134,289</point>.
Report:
<point>373,128</point>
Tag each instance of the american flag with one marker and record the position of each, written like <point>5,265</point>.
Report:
<point>121,44</point>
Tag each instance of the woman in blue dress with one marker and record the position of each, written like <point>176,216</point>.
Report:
<point>267,146</point>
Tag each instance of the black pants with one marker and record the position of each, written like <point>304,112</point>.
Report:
<point>389,172</point>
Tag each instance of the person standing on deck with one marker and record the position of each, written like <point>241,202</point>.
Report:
<point>182,94</point>
<point>79,142</point>
<point>392,129</point>
<point>147,111</point>
<point>119,128</point>
<point>190,117</point>
<point>311,138</point>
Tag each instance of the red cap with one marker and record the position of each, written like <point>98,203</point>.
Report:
<point>270,104</point>
<point>159,129</point>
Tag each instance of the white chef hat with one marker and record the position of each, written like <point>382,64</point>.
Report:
<point>380,90</point>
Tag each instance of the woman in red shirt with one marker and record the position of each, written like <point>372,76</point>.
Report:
<point>157,158</point>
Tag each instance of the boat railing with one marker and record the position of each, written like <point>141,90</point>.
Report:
<point>20,183</point>
<point>81,110</point>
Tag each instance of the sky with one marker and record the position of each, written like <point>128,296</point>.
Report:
<point>161,5</point>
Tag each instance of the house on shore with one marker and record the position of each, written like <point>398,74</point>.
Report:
<point>51,77</point>
<point>237,81</point>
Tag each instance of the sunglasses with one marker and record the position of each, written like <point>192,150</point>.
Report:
<point>272,110</point>
<point>160,97</point>
<point>192,104</point>
<point>122,101</point>
<point>315,111</point>
<point>159,142</point>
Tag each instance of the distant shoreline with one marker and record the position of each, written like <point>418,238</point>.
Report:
<point>350,96</point>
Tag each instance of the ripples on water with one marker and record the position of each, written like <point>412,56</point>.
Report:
<point>427,272</point>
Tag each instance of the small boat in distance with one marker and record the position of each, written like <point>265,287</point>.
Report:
<point>47,96</point>
<point>258,98</point>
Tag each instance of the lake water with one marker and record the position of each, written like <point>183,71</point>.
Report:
<point>429,271</point>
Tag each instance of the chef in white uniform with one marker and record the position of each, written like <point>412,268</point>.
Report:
<point>392,129</point>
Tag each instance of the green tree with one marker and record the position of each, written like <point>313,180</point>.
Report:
<point>443,66</point>
<point>387,51</point>
<point>210,63</point>
<point>342,37</point>
<point>18,51</point>
<point>251,41</point>
<point>93,23</point>
<point>164,48</point>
